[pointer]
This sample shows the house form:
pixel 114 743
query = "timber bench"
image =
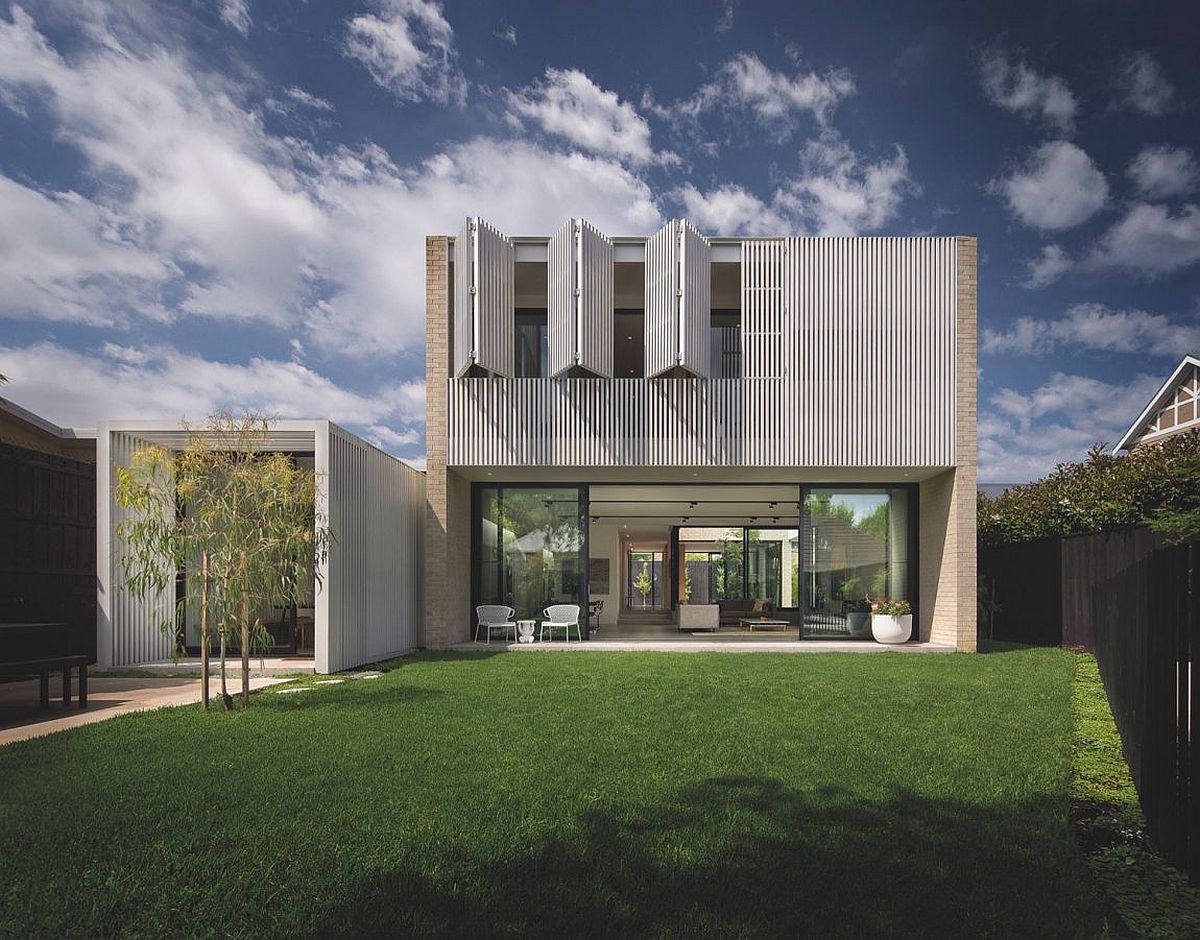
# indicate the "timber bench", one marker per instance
pixel 28 649
pixel 43 667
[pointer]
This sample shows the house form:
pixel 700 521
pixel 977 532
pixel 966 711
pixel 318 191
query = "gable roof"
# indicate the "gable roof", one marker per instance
pixel 1160 399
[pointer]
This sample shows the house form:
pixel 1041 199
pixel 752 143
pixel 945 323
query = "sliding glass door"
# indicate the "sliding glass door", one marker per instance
pixel 530 547
pixel 855 545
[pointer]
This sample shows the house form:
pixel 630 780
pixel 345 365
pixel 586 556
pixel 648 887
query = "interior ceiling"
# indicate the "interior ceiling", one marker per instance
pixel 646 508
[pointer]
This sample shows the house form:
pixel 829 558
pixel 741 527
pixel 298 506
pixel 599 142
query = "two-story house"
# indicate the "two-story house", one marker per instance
pixel 658 420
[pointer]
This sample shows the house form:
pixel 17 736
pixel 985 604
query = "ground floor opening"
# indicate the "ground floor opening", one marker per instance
pixel 661 561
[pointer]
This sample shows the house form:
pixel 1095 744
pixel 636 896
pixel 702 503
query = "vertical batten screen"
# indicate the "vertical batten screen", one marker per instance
pixel 483 299
pixel 139 626
pixel 678 308
pixel 769 345
pixel 375 568
pixel 580 299
pixel 662 301
pixel 695 307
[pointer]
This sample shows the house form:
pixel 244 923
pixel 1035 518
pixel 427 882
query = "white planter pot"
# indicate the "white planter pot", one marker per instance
pixel 858 624
pixel 888 629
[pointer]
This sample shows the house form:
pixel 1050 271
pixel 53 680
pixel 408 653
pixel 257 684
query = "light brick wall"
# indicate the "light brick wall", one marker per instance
pixel 947 577
pixel 437 330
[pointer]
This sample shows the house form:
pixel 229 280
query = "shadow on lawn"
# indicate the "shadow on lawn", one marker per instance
pixel 749 856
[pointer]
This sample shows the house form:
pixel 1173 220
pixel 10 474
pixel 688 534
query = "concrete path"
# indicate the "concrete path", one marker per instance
pixel 765 645
pixel 21 718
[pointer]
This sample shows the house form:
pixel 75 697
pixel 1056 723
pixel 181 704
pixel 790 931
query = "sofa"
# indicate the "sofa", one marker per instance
pixel 734 609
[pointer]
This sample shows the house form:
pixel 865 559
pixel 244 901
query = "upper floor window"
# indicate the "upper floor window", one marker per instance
pixel 726 344
pixel 531 349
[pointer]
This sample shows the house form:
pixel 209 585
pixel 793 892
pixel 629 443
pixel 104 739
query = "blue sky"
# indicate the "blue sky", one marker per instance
pixel 221 203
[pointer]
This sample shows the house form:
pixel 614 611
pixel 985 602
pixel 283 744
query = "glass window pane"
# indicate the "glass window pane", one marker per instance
pixel 854 545
pixel 530 542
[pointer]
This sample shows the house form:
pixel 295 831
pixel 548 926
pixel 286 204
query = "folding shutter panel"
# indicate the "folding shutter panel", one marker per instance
pixel 495 323
pixel 595 300
pixel 464 301
pixel 662 300
pixel 560 299
pixel 695 305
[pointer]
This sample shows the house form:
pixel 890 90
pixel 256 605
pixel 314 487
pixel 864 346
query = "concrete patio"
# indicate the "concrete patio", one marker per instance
pixel 21 718
pixel 715 645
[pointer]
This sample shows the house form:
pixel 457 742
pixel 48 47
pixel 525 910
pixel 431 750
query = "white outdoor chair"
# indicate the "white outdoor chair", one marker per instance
pixel 564 616
pixel 491 617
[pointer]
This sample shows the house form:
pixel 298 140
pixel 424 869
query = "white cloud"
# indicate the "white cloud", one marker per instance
pixel 1047 267
pixel 725 21
pixel 1023 435
pixel 570 105
pixel 192 192
pixel 236 14
pixel 1143 85
pixel 408 47
pixel 1016 87
pixel 508 33
pixel 1096 328
pixel 1159 171
pixel 1149 240
pixel 302 97
pixel 118 382
pixel 65 258
pixel 1059 187
pixel 836 192
pixel 775 99
pixel 730 210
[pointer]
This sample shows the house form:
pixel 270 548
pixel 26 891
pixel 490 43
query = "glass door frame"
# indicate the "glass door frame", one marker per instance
pixel 477 488
pixel 912 559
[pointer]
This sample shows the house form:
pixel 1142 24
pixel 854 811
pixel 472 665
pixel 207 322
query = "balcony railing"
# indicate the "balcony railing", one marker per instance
pixel 897 421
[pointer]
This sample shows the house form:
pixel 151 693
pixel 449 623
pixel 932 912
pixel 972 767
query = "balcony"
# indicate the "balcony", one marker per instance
pixel 785 422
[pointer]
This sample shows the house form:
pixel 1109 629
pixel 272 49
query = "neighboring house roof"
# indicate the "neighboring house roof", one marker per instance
pixel 1174 408
pixel 22 428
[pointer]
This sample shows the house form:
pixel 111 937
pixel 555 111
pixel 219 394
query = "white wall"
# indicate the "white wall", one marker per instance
pixel 604 542
pixel 374 581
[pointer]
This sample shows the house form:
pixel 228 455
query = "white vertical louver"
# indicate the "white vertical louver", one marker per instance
pixel 580 300
pixel 678 308
pixel 483 299
pixel 695 304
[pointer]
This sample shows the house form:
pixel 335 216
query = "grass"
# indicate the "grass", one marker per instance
pixel 550 795
pixel 1151 898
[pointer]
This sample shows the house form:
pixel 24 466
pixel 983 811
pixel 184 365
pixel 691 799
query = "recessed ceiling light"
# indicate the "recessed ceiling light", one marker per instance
pixel 629 337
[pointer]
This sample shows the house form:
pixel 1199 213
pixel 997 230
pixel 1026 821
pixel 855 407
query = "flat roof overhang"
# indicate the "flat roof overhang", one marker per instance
pixel 705 475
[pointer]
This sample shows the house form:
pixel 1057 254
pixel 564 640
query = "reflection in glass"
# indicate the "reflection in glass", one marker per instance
pixel 530 547
pixel 855 548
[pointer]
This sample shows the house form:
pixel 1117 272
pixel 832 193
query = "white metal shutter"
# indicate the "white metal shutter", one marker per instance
pixel 484 321
pixel 695 303
pixel 662 300
pixel 560 300
pixel 595 272
pixel 678 300
pixel 464 306
pixel 495 322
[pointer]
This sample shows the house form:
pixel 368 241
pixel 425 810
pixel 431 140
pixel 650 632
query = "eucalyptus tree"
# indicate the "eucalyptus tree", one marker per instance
pixel 235 524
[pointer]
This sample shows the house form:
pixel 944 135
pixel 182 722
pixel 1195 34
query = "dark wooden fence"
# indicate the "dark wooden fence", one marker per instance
pixel 1132 601
pixel 1043 589
pixel 48 543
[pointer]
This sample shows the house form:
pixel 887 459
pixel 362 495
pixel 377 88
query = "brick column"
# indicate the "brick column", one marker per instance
pixel 947 518
pixel 437 357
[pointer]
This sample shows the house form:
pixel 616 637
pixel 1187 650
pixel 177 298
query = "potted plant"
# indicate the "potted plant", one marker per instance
pixel 891 621
pixel 858 617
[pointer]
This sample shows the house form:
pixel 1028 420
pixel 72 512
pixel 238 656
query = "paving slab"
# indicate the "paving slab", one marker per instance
pixel 21 718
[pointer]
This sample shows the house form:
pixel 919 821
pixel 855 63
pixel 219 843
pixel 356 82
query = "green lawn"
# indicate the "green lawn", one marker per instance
pixel 552 794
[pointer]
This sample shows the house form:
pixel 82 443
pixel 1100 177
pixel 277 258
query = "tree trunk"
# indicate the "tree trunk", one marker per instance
pixel 225 699
pixel 204 632
pixel 245 640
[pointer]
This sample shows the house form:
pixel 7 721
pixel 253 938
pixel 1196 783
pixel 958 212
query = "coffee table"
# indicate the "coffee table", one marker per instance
pixel 769 622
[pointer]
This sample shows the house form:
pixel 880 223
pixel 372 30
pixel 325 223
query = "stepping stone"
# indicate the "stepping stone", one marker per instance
pixel 363 675
pixel 293 691
pixel 328 681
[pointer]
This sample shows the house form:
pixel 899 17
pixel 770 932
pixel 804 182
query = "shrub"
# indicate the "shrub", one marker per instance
pixel 1156 485
pixel 888 608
